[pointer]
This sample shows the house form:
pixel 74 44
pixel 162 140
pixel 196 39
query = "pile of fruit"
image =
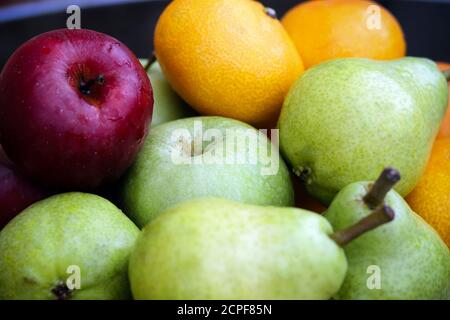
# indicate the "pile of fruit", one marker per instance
pixel 149 179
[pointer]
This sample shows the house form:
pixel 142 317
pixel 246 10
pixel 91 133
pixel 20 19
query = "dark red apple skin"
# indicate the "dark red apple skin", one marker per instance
pixel 16 192
pixel 56 134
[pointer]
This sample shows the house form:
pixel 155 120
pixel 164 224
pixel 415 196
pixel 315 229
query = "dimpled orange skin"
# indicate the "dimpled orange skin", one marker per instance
pixel 330 29
pixel 445 127
pixel 227 58
pixel 431 197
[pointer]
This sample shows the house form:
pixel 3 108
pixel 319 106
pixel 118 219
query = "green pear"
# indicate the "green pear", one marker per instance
pixel 214 248
pixel 69 246
pixel 200 157
pixel 168 105
pixel 404 259
pixel 345 120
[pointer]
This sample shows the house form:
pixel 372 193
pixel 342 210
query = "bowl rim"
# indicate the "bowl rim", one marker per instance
pixel 22 11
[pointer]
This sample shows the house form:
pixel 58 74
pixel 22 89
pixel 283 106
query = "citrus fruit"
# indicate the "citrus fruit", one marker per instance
pixel 230 58
pixel 431 197
pixel 329 29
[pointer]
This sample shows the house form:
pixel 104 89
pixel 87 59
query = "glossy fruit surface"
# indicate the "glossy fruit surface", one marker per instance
pixel 431 197
pixel 329 29
pixel 16 192
pixel 346 119
pixel 64 238
pixel 75 108
pixel 168 105
pixel 227 58
pixel 214 248
pixel 402 260
pixel 173 168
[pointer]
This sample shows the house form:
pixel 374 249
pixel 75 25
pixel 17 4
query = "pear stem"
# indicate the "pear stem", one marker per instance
pixel 378 217
pixel 387 179
pixel 150 61
pixel 447 74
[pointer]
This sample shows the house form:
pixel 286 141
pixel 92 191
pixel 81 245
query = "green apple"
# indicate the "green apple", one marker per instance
pixel 204 156
pixel 69 246
pixel 168 105
pixel 214 248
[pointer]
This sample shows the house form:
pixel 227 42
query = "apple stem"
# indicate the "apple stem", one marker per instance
pixel 271 12
pixel 61 291
pixel 378 217
pixel 85 87
pixel 150 61
pixel 447 74
pixel 387 179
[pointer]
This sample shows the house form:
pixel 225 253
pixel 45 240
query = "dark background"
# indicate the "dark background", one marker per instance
pixel 426 23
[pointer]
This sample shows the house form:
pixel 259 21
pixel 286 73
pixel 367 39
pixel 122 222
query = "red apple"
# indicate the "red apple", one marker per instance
pixel 75 106
pixel 16 192
pixel 4 159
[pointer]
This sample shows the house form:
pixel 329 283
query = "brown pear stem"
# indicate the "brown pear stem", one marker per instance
pixel 387 179
pixel 380 216
pixel 447 74
pixel 150 61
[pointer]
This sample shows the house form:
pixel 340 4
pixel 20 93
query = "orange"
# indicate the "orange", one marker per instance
pixel 330 29
pixel 227 57
pixel 445 127
pixel 431 197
